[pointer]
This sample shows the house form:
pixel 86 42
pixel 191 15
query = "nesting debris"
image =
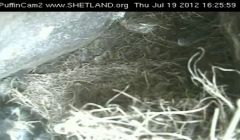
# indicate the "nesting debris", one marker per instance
pixel 158 120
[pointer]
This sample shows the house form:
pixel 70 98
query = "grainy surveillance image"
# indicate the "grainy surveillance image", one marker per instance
pixel 119 76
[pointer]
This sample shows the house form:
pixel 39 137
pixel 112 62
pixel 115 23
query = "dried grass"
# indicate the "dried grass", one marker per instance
pixel 141 121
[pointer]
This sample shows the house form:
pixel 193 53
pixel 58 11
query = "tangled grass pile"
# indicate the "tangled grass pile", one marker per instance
pixel 185 119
